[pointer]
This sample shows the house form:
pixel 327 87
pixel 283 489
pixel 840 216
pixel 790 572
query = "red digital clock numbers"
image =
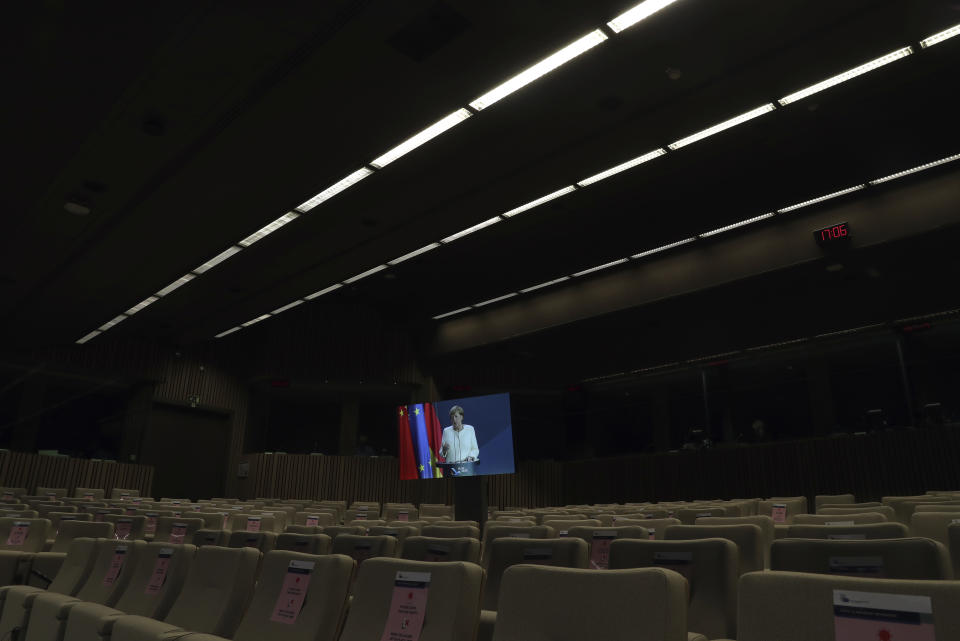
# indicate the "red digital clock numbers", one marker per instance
pixel 834 235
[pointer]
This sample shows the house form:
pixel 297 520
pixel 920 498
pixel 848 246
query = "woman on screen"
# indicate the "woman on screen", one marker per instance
pixel 459 442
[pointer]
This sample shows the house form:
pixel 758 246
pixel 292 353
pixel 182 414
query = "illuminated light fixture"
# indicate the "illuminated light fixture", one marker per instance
pixel 940 37
pixel 269 229
pixel 180 282
pixel 456 311
pixel 421 138
pixel 470 230
pixel 599 267
pixel 325 290
pixel 630 164
pixel 723 126
pixel 712 357
pixel 256 320
pixel 496 300
pixel 546 284
pixel 228 332
pixel 216 260
pixel 814 201
pixel 735 225
pixel 638 13
pixel 780 344
pixel 341 185
pixel 853 330
pixel 414 253
pixel 281 310
pixel 539 201
pixel 369 272
pixel 846 75
pixel 907 172
pixel 149 300
pixel 664 248
pixel 112 323
pixel 653 368
pixel 541 68
pixel 89 337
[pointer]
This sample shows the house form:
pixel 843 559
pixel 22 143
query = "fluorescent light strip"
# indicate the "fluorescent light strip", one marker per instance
pixel 256 320
pixel 846 75
pixel 726 124
pixel 216 260
pixel 940 37
pixel 111 323
pixel 907 172
pixel 496 300
pixel 664 247
pixel 414 253
pixel 341 185
pixel 539 201
pixel 638 13
pixel 541 68
pixel 89 337
pixel 546 284
pixel 456 311
pixel 228 332
pixel 599 267
pixel 735 225
pixel 323 291
pixel 149 300
pixel 470 230
pixel 180 282
pixel 821 199
pixel 269 229
pixel 281 310
pixel 369 272
pixel 630 164
pixel 421 138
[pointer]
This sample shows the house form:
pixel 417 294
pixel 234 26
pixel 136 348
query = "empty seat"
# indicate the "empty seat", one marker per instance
pixel 765 523
pixel 849 532
pixel 933 525
pixel 124 493
pixel 800 501
pixel 842 519
pixel 263 541
pixel 361 548
pixel 599 540
pixel 891 559
pixel 832 499
pixel 367 524
pixel 847 506
pixel 791 606
pixel 433 510
pixel 688 516
pixel 425 548
pixel 303 529
pixel 126 527
pixel 253 523
pixel 304 543
pixel 174 529
pixel 52 492
pixel 571 552
pixel 336 530
pixel 203 536
pixel 847 511
pixel 400 513
pixel 322 519
pixel 450 532
pixel 19 540
pixel 89 493
pixel 749 539
pixel 361 515
pixel 493 531
pixel 563 527
pixel 24 513
pixel 10 494
pixel 782 511
pixel 399 532
pixel 452 599
pixel 712 567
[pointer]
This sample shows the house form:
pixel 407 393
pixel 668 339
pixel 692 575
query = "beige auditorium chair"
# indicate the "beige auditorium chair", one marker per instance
pixel 953 536
pixel 885 510
pixel 214 595
pixel 303 529
pixel 124 494
pixel 362 548
pixel 793 507
pixel 848 506
pixel 932 525
pixel 658 513
pixel 888 559
pixel 450 531
pixel 453 599
pixel 544 519
pixel 47 563
pixel 563 527
pixel 203 536
pixel 45 509
pixel 833 499
pixel 365 524
pixel 414 525
pixel 361 515
pixel 434 519
pixel 572 552
pixel 493 531
pixel 304 543
pixel 253 523
pixel 543 603
pixel 399 532
pixel 904 506
pixel 20 540
pixel 322 519
pixel 765 523
pixel 52 492
pixel 89 493
pixel 843 519
pixel 599 539
pixel 749 539
pixel 12 494
pixel 792 606
pixel 689 516
pixel 211 520
pixel 433 509
pixel 320 614
pixel 262 541
pixel 400 513
pixel 659 526
pixel 126 528
pixel 849 532
pixel 336 530
pixel 112 568
pixel 175 529
pixel 152 516
pixel 425 548
pixel 711 566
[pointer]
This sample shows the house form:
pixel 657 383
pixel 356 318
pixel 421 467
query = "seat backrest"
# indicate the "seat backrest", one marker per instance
pixel 749 539
pixel 711 566
pixel 658 526
pixel 915 558
pixel 361 548
pixel 203 536
pixel 933 525
pixel 569 552
pixel 563 527
pixel 792 606
pixel 304 543
pixel 315 518
pixel 125 527
pixel 157 579
pixel 354 514
pixel 175 529
pixel 936 507
pixel 782 511
pixel 432 548
pixel 263 541
pixel 23 535
pixel 89 493
pixel 546 603
pixel 599 539
pixel 847 511
pixel 400 513
pixel 824 506
pixel 953 536
pixel 845 519
pixel 123 493
pixel 764 522
pixel 800 501
pixel 57 517
pixel 450 531
pixel 303 529
pixel 493 531
pixel 253 523
pixel 849 532
pixel 211 520
pixel 52 492
pixel 334 531
pixel 77 564
pixel 689 516
pixel 832 499
pixel 114 565
pixel 216 591
pixel 427 509
pixel 43 510
pixel 452 610
pixel 26 514
pixel 71 529
pixel 9 494
pixel 399 532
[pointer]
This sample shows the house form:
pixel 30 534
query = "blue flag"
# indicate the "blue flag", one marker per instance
pixel 421 442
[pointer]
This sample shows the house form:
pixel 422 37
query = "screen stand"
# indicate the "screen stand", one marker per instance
pixel 470 499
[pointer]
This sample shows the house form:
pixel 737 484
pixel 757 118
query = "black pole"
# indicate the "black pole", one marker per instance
pixel 905 380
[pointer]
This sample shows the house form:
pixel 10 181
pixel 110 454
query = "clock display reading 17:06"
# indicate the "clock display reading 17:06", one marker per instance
pixel 836 234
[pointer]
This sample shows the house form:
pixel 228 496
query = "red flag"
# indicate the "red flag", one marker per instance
pixel 434 437
pixel 408 458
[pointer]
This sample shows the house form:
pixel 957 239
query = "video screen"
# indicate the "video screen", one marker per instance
pixel 458 437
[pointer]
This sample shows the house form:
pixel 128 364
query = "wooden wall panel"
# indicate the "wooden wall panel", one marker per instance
pixel 22 469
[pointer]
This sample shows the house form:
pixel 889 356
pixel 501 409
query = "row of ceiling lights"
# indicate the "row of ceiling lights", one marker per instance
pixel 580 46
pixel 639 160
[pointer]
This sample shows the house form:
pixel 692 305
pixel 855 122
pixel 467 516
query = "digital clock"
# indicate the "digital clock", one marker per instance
pixel 836 235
